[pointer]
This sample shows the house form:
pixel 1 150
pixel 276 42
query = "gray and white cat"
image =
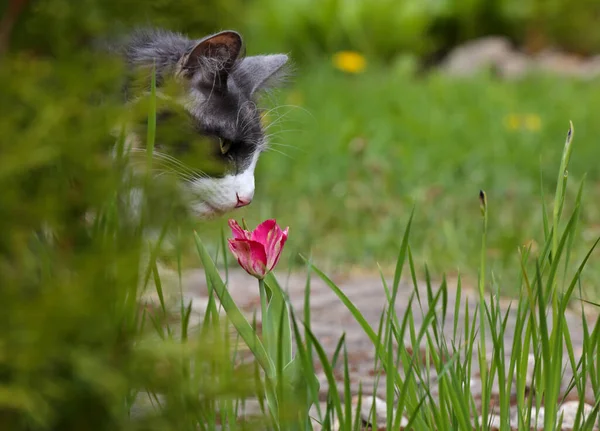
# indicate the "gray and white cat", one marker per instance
pixel 208 132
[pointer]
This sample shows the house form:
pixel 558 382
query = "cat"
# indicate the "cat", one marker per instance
pixel 209 133
pixel 208 125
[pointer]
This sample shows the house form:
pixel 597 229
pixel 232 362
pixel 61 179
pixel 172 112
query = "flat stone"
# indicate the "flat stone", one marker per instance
pixel 372 405
pixel 569 412
pixel 330 319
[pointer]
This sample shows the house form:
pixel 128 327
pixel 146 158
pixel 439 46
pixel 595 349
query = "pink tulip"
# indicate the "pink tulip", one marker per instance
pixel 258 251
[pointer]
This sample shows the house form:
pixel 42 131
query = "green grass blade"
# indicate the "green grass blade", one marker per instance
pixel 329 374
pixel 309 377
pixel 277 313
pixel 401 257
pixel 559 197
pixel 571 239
pixel 235 315
pixel 545 222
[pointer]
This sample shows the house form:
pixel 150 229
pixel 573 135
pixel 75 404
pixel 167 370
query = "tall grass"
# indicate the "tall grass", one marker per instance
pixel 480 345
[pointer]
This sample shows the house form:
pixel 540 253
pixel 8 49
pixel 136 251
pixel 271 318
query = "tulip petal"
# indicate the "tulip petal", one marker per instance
pixel 274 246
pixel 250 255
pixel 237 231
pixel 261 233
pixel 273 238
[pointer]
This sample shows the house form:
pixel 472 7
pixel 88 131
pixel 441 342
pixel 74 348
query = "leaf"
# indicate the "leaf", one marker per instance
pixel 235 315
pixel 277 311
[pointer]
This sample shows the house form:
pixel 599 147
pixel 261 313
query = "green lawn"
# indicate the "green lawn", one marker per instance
pixel 354 154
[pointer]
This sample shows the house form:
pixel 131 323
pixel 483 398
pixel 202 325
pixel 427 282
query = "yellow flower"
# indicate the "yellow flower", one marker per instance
pixel 512 122
pixel 533 122
pixel 349 61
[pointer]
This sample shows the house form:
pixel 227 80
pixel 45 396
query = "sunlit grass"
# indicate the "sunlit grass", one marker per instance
pixel 546 286
pixel 352 155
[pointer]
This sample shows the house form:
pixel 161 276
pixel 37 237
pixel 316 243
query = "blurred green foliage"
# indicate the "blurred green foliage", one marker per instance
pixel 384 28
pixel 381 28
pixel 66 27
pixel 75 345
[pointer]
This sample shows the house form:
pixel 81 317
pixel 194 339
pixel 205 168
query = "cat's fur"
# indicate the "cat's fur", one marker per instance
pixel 218 120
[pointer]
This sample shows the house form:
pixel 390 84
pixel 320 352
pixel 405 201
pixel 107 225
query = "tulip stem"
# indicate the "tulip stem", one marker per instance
pixel 263 300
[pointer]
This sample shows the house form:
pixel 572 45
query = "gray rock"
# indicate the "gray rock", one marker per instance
pixel 373 405
pixel 496 52
pixel 466 58
pixel 569 412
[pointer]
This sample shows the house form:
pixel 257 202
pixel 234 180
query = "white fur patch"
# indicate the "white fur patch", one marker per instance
pixel 215 196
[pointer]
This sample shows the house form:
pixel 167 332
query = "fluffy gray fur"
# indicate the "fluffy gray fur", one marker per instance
pixel 220 86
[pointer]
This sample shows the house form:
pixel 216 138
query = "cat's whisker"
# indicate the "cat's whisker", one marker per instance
pixel 159 167
pixel 158 172
pixel 285 146
pixel 166 158
pixel 175 166
pixel 187 173
pixel 273 109
pixel 247 123
pixel 278 107
pixel 277 121
pixel 177 163
pixel 237 120
pixel 275 150
pixel 269 142
pixel 279 132
pixel 277 118
pixel 269 146
pixel 279 144
pixel 161 173
pixel 280 117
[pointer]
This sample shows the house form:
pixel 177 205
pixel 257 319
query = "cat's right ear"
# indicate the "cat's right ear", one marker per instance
pixel 260 72
pixel 221 50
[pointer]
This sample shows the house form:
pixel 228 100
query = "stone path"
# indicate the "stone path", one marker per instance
pixel 331 319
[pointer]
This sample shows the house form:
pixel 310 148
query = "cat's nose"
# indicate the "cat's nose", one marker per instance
pixel 242 201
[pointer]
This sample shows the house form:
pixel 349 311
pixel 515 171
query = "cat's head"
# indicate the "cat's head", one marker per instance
pixel 210 134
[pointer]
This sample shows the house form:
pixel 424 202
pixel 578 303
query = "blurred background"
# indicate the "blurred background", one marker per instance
pixel 395 105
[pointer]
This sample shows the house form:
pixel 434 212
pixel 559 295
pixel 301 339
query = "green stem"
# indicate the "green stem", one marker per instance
pixel 482 352
pixel 266 327
pixel 268 341
pixel 264 302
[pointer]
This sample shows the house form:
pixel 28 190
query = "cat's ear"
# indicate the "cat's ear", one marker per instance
pixel 262 71
pixel 222 49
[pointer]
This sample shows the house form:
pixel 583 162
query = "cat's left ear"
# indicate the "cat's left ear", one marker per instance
pixel 261 71
pixel 224 47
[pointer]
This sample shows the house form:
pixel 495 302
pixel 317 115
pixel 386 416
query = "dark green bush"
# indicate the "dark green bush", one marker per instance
pixel 75 345
pixel 67 27
pixel 572 25
pixel 385 28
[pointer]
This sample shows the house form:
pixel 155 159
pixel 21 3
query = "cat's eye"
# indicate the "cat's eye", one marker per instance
pixel 225 146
